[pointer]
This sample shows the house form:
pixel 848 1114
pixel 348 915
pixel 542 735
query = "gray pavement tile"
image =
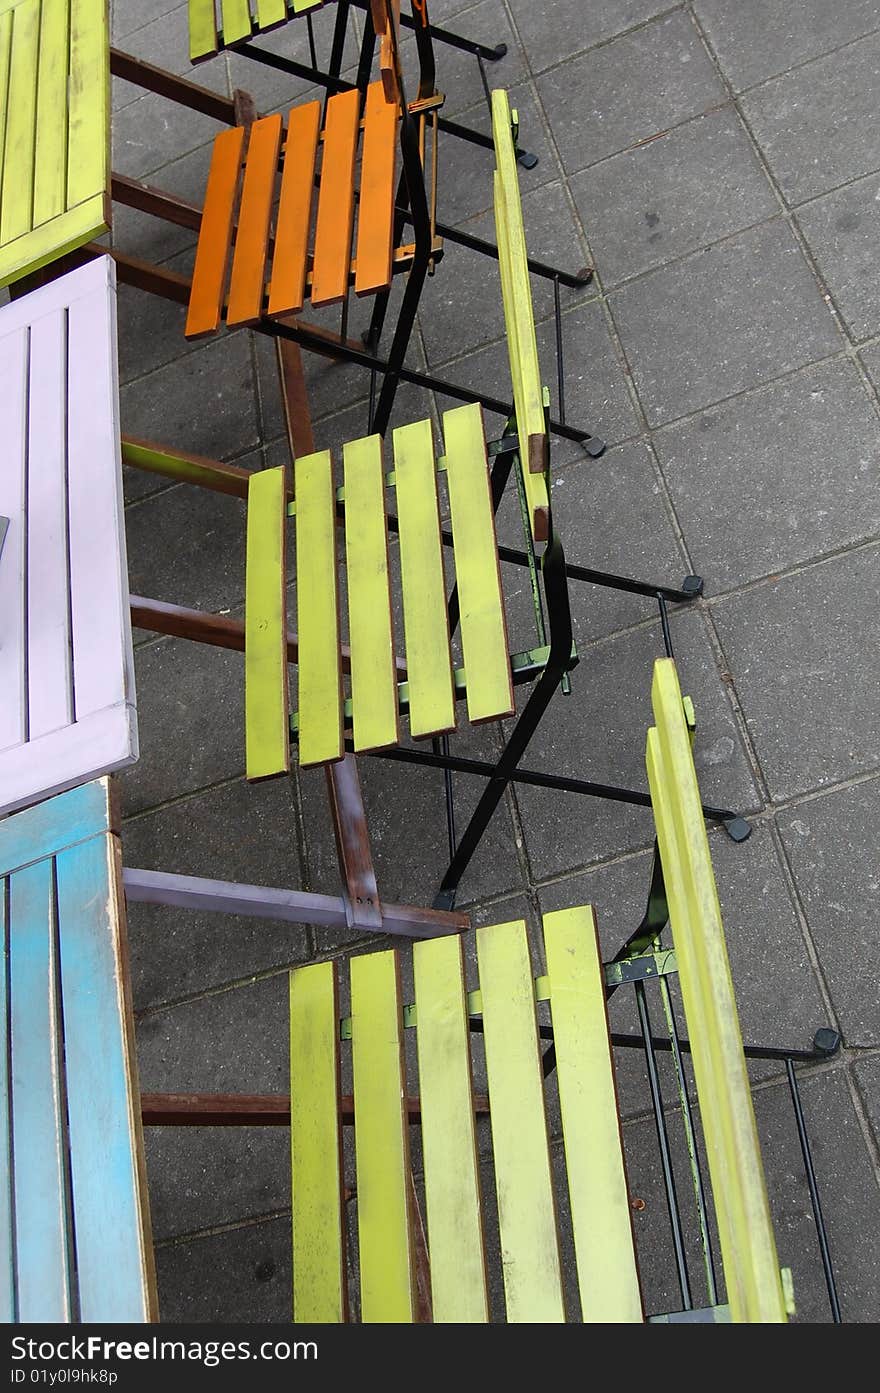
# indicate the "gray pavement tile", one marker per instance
pixel 274 90
pixel 664 199
pixel 458 74
pixel 152 239
pixel 802 657
pixel 832 847
pixel 553 35
pixel 151 328
pixel 819 127
pixel 186 545
pixel 165 43
pixel 756 39
pixel 867 1072
pixel 847 1189
pixel 190 718
pixel 204 402
pixel 871 359
pixel 843 235
pixel 773 478
pixel 152 131
pixel 205 1176
pixel 130 15
pixel 635 87
pixel 729 318
pixel 599 733
pixel 240 1275
pixel 239 832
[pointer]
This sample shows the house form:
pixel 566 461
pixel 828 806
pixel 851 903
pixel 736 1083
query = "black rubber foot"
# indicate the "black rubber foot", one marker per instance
pixel 585 274
pixel 496 53
pixel 526 159
pixel 738 829
pixel 445 899
pixel 692 585
pixel 826 1041
pixel 594 446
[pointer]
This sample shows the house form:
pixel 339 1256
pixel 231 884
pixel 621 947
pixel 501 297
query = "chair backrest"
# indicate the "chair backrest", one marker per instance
pixel 525 369
pixel 220 23
pixel 74 1217
pixel 748 1248
pixel 54 130
pixel 432 682
pixel 67 709
pixel 533 1286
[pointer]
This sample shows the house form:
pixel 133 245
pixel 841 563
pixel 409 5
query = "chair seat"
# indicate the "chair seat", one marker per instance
pixel 278 258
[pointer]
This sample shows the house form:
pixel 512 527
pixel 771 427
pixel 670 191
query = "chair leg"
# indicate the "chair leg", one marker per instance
pixel 363 909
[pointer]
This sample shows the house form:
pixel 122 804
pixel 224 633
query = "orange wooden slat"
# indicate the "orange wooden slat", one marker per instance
pixel 290 260
pixel 252 236
pixel 375 232
pixel 215 235
pixel 336 200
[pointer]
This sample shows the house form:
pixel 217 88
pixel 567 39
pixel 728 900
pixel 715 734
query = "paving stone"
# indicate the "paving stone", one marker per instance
pixel 555 35
pixel 202 1177
pixel 664 199
pixel 756 39
pixel 165 44
pixel 867 1072
pixel 819 127
pixel 239 832
pixel 458 73
pixel 772 478
pixel 802 660
pixel 831 844
pixel 847 1189
pixel 130 15
pixel 240 1275
pixel 731 317
pixel 153 239
pixel 204 402
pixel 871 360
pixel 599 733
pixel 842 231
pixel 190 718
pixel 273 90
pixel 633 88
pixel 154 130
pixel 150 327
pixel 186 545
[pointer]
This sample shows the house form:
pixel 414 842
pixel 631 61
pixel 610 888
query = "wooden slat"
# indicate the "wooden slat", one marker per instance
pixel 54 239
pixel 266 699
pixel 13 433
pixel 88 136
pixel 16 202
pixel 290 263
pixel 252 235
pixel 113 1247
pixel 202 29
pixel 426 624
pixel 375 232
pixel 50 704
pixel 50 176
pixel 748 1247
pixel 598 1194
pixel 523 1179
pixel 319 1272
pixel 387 1259
pixel 43 1258
pixel 449 1149
pixel 270 13
pixel 5 60
pixel 477 569
pixel 54 824
pixel 320 687
pixel 7 1270
pixel 373 669
pixel 331 265
pixel 212 254
pixel 236 17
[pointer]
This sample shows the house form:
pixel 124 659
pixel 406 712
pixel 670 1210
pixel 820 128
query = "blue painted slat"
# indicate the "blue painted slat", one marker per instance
pixel 55 824
pixel 7 1276
pixel 39 1173
pixel 109 1199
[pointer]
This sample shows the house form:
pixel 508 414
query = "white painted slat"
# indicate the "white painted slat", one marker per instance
pixel 48 665
pixel 13 401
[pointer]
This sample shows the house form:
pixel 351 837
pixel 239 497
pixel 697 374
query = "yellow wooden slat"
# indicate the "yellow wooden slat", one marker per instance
pixel 387 1266
pixel 16 199
pixel 373 668
pixel 50 174
pixel 320 683
pixel 319 1278
pixel 425 621
pixel 88 136
pixel 449 1148
pixel 44 244
pixel 236 17
pixel 270 12
pixel 267 725
pixel 600 1212
pixel 202 29
pixel 477 571
pixel 748 1247
pixel 5 58
pixel 523 1181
